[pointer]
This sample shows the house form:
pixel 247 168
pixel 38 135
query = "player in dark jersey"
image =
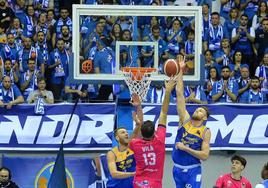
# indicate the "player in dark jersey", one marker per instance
pixel 149 150
pixel 192 141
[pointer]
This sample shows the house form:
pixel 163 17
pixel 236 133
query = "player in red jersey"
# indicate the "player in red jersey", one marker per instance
pixel 234 179
pixel 149 150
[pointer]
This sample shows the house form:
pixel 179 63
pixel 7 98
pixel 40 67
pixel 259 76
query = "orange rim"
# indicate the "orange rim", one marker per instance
pixel 138 72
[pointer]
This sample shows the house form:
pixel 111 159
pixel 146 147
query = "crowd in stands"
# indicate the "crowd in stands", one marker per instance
pixel 36 43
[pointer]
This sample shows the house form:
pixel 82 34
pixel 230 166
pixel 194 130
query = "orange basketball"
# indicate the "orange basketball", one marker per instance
pixel 171 67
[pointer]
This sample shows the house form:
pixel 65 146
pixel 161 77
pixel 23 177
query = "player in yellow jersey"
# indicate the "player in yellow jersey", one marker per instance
pixel 192 141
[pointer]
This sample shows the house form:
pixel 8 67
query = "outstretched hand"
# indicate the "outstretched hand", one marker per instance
pixel 169 85
pixel 138 120
pixel 135 100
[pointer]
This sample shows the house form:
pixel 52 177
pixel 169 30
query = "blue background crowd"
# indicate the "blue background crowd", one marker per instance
pixel 36 44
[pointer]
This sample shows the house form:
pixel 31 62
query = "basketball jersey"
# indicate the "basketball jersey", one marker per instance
pixel 124 163
pixel 192 137
pixel 150 156
pixel 226 181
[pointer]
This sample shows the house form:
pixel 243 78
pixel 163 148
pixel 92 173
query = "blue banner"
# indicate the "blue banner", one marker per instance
pixel 91 127
pixel 233 127
pixel 34 172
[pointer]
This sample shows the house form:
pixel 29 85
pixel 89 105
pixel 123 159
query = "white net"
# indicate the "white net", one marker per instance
pixel 138 82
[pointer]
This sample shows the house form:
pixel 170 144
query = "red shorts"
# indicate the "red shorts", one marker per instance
pixel 147 184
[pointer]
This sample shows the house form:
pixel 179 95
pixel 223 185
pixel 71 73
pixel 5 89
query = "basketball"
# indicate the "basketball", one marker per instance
pixel 171 68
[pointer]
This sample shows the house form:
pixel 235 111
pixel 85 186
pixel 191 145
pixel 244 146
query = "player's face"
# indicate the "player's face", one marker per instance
pixel 122 136
pixel 199 114
pixel 237 166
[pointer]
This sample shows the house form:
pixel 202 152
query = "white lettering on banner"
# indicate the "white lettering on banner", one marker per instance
pixel 89 130
pixel 48 129
pixel 258 129
pixel 238 128
pixel 25 134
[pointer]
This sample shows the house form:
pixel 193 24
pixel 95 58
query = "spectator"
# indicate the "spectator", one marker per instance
pixel 244 80
pixel 6 14
pixel 226 6
pixel 91 41
pixel 154 20
pixel 41 26
pixel 243 39
pixel 74 91
pixel 234 179
pixel 148 51
pixel 195 95
pixel 212 78
pixel 18 7
pixel 41 92
pixel 41 46
pixel 250 8
pixel 67 38
pixel 262 73
pixel 28 22
pixel 3 36
pixel 16 30
pixel 261 43
pixel 50 18
pixel 104 63
pixel 262 13
pixel 5 178
pixel 209 62
pixel 9 70
pixel 175 38
pixel 189 47
pixel 264 175
pixel 226 89
pixel 115 34
pixel 63 20
pixel 10 49
pixel 223 55
pixel 254 94
pixel 9 93
pixel 58 64
pixel 156 94
pixel 205 28
pixel 237 64
pixel 29 51
pixel 231 23
pixel 215 32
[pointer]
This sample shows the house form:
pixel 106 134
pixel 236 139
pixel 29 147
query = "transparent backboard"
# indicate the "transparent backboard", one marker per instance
pixel 109 37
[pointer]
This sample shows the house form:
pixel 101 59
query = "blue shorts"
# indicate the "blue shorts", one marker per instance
pixel 187 177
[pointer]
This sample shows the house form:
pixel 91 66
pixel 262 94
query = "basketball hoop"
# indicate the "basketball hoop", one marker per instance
pixel 138 80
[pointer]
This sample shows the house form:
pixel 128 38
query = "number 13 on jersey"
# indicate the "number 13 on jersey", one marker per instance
pixel 149 159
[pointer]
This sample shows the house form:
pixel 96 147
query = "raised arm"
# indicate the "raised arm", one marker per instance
pixel 137 115
pixel 169 85
pixel 181 106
